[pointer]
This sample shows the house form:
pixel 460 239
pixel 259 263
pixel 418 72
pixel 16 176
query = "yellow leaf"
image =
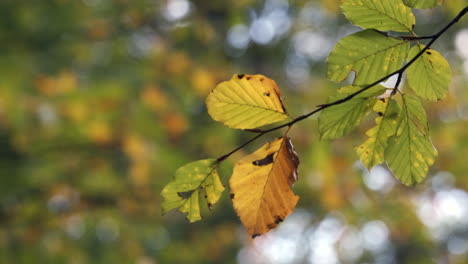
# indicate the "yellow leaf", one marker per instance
pixel 261 186
pixel 246 102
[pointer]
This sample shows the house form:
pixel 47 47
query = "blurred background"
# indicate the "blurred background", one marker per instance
pixel 102 100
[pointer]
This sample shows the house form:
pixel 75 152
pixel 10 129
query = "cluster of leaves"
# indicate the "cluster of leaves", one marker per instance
pixel 261 182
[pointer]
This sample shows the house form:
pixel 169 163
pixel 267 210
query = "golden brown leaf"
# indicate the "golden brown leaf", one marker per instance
pixel 261 186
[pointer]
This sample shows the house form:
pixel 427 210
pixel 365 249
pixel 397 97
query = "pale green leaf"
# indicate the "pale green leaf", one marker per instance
pixel 429 76
pixel 410 152
pixel 371 152
pixel 338 120
pixel 190 180
pixel 384 15
pixel 246 102
pixel 422 3
pixel 369 54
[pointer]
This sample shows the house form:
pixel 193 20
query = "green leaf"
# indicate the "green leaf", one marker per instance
pixel 371 152
pixel 422 3
pixel 410 152
pixel 184 191
pixel 369 54
pixel 338 120
pixel 246 102
pixel 429 76
pixel 382 15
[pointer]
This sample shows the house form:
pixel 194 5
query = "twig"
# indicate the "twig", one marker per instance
pixel 349 97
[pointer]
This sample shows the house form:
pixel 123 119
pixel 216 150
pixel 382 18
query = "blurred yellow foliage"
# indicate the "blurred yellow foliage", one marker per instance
pixel 175 124
pixel 177 62
pixel 65 82
pixel 77 111
pixel 99 132
pixel 203 81
pixel 154 98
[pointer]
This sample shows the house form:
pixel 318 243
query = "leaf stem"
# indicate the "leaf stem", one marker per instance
pixel 321 107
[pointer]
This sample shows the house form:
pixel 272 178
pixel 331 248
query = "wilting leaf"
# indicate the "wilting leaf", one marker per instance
pixel 410 152
pixel 429 76
pixel 422 3
pixel 382 15
pixel 371 152
pixel 369 54
pixel 261 186
pixel 186 188
pixel 246 102
pixel 338 120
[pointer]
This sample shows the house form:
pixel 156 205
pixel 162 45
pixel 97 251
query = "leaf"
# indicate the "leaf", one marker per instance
pixel 421 3
pixel 261 186
pixel 371 152
pixel 246 102
pixel 190 180
pixel 338 120
pixel 429 76
pixel 410 152
pixel 369 54
pixel 382 15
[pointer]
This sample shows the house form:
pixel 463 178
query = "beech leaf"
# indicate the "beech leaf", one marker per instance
pixel 185 190
pixel 261 186
pixel 338 120
pixel 429 76
pixel 410 152
pixel 369 54
pixel 246 102
pixel 382 15
pixel 371 152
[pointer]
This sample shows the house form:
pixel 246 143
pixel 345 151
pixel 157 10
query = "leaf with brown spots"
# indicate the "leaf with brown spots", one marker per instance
pixel 410 152
pixel 261 186
pixel 246 102
pixel 429 76
pixel 190 180
pixel 369 54
pixel 371 152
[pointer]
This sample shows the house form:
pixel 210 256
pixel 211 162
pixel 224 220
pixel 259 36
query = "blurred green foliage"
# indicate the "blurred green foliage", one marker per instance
pixel 102 100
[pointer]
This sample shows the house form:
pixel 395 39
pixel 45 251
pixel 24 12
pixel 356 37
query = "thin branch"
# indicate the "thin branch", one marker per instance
pixel 412 38
pixel 349 97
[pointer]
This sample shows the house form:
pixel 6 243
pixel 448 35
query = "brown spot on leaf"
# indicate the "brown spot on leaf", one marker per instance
pixel 248 78
pixel 278 219
pixel 428 52
pixel 266 94
pixel 255 235
pixel 261 79
pixel 240 76
pixel 380 113
pixel 265 161
pixel 271 226
pixel 185 195
pixel 232 196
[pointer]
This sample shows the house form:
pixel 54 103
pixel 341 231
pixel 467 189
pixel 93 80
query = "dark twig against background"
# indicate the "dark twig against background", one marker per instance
pixel 321 107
